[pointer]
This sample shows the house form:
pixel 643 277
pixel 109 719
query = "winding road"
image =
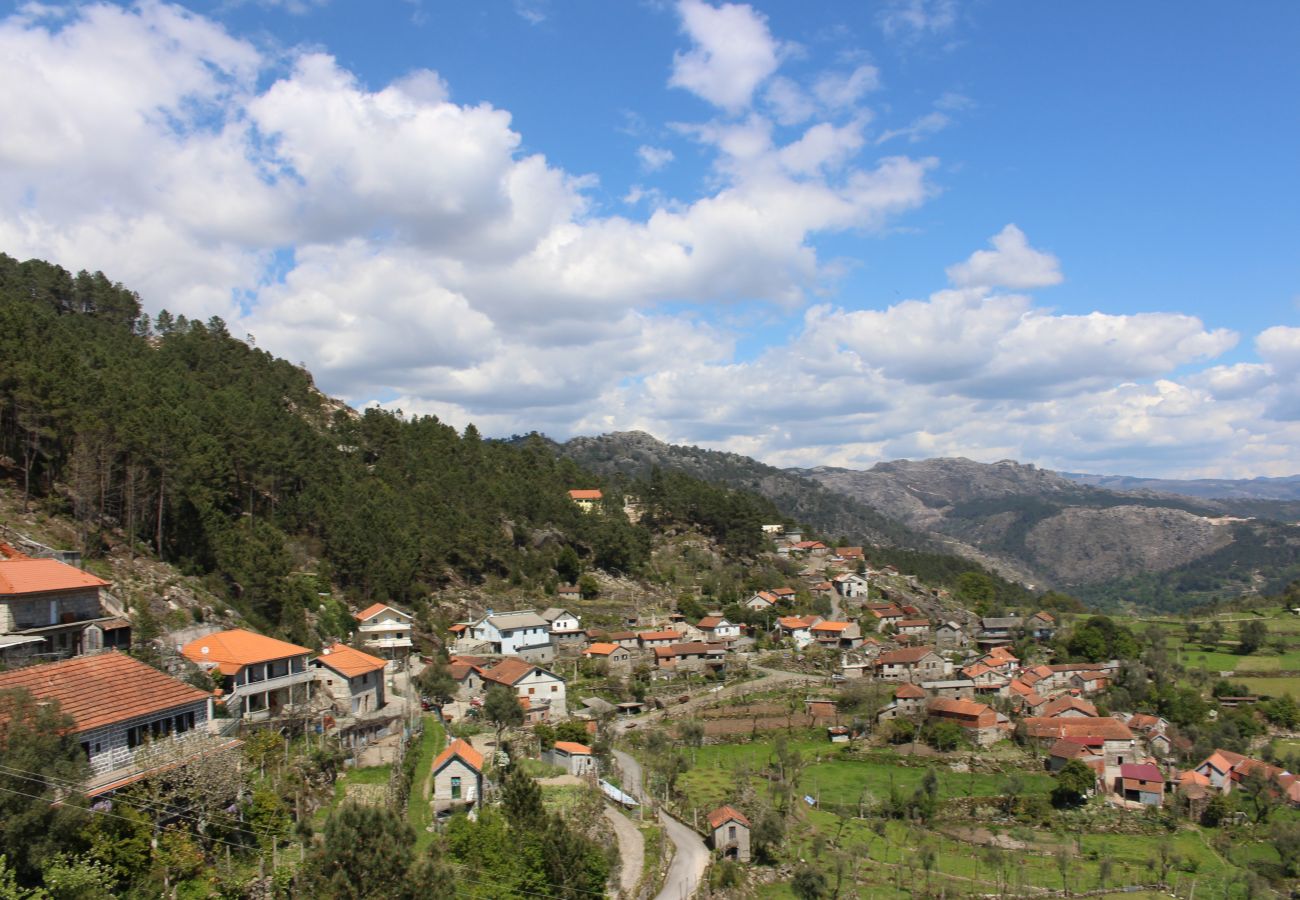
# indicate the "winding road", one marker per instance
pixel 691 856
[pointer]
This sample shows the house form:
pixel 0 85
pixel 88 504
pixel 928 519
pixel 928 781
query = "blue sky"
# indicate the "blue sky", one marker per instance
pixel 813 233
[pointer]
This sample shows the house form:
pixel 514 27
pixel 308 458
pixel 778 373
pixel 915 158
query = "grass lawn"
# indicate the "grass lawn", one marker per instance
pixel 419 812
pixel 1193 656
pixel 846 781
pixel 1272 687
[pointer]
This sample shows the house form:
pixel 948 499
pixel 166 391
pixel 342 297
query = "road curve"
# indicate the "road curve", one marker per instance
pixel 691 856
pixel 689 862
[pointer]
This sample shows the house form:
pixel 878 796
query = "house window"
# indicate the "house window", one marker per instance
pixel 532 690
pixel 731 832
pixel 455 788
pixel 554 688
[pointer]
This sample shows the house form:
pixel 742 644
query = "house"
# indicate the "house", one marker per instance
pixel 886 615
pixel 729 833
pixel 457 779
pixel 467 672
pixel 1111 737
pixel 352 679
pixel 261 676
pixel 810 548
pixel 797 628
pixel 915 664
pixel 784 593
pixel 627 639
pixel 587 500
pixel 121 710
pixel 909 701
pixel 954 689
pixel 522 633
pixel 851 554
pixel 918 628
pixel 692 656
pixel 1224 770
pixel 950 635
pixel 979 720
pixel 851 585
pixel 1143 783
pixel 717 628
pixel 573 758
pixel 566 628
pixel 840 635
pixel 1067 707
pixel 999 630
pixel 619 659
pixel 1041 626
pixel 1086 750
pixel 51 609
pixel 568 592
pixel 761 601
pixel 651 639
pixel 385 630
pixel 532 683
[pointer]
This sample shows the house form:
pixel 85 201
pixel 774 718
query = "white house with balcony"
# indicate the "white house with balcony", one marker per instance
pixel 124 713
pixel 261 677
pixel 385 631
pixel 513 633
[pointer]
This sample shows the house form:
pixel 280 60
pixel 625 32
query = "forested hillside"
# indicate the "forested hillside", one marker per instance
pixel 227 462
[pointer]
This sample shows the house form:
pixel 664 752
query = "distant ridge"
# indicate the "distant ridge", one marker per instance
pixel 1281 488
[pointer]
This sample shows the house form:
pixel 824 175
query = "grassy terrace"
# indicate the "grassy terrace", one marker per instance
pixel 418 810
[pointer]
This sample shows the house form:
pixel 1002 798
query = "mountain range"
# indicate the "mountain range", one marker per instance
pixel 1110 539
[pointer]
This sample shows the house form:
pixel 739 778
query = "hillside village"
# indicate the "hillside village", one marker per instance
pixel 892 674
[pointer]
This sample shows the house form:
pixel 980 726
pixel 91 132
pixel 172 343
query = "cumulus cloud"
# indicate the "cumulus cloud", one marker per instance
pixel 733 53
pixel 1012 263
pixel 911 19
pixel 654 158
pixel 405 245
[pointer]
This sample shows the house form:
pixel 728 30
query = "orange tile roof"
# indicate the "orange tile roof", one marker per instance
pixel 234 649
pixel 348 661
pixel 38 576
pixel 914 623
pixel 792 622
pixel 573 749
pixel 957 707
pixel 831 626
pixel 461 748
pixel 1105 728
pixel 710 622
pixel 585 495
pixel 601 648
pixel 725 814
pixel 375 609
pixel 103 689
pixel 1065 704
pixel 908 692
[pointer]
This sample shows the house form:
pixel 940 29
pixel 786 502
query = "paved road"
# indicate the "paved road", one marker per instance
pixel 691 856
pixel 631 850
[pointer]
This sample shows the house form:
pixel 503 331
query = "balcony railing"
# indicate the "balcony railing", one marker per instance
pixel 270 684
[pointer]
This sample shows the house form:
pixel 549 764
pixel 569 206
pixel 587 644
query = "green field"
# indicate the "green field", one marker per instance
pixel 1271 687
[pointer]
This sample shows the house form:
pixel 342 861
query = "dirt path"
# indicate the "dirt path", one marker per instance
pixel 631 850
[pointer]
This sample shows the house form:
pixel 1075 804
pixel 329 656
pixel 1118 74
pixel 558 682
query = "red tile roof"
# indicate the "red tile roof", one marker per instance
pixel 103 689
pixel 710 622
pixel 348 661
pixel 914 623
pixel 460 748
pixel 39 576
pixel 509 671
pixel 659 635
pixel 573 749
pixel 1141 771
pixel 957 707
pixel 1106 728
pixel 585 495
pixel 831 626
pixel 1065 704
pixel 234 649
pixel 375 609
pixel 725 814
pixel 793 623
pixel 908 692
pixel 904 656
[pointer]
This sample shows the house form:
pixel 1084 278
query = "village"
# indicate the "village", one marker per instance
pixel 898 674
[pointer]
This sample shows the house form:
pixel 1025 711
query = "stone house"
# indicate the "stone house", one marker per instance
pixel 50 608
pixel 121 709
pixel 915 664
pixel 729 833
pixel 354 681
pixel 950 635
pixel 619 659
pixel 574 758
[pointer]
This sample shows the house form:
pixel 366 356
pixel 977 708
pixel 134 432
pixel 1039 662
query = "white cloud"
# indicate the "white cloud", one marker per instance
pixel 1011 263
pixel 654 158
pixel 911 19
pixel 733 54
pixel 838 90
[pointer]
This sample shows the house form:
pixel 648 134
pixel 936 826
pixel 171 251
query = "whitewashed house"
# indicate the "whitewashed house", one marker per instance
pixel 541 689
pixel 457 779
pixel 261 676
pixel 385 631
pixel 514 633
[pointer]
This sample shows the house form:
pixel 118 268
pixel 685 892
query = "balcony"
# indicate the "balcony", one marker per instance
pixel 383 643
pixel 271 684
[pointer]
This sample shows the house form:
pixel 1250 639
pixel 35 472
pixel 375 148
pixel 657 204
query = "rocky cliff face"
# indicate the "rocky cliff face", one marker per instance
pixel 1055 530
